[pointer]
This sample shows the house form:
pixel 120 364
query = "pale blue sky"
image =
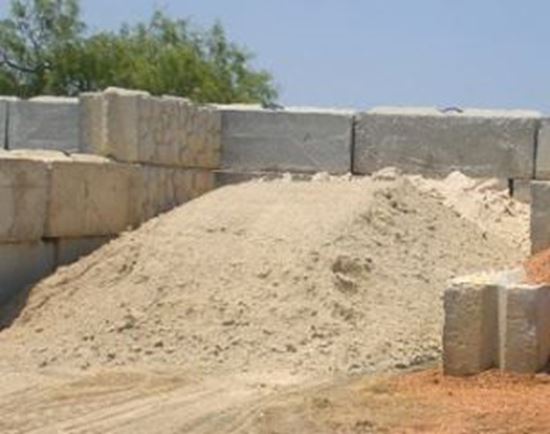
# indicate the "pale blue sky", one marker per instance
pixel 361 53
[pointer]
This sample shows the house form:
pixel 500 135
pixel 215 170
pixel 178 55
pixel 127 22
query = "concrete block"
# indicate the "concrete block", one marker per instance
pixel 93 123
pixel 22 265
pixel 470 335
pixel 526 347
pixel 302 141
pixel 69 250
pixel 90 197
pixel 44 123
pixel 3 124
pixel 427 141
pixel 543 150
pixel 540 216
pixel 156 192
pixel 522 190
pixel 138 128
pixel 23 198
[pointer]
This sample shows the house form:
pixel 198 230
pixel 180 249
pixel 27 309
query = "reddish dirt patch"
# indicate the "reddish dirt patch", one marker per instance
pixel 492 402
pixel 538 268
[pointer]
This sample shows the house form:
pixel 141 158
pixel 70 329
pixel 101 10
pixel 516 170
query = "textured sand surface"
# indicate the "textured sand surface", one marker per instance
pixel 310 278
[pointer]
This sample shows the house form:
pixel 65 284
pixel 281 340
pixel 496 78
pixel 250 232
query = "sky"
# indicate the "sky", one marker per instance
pixel 365 53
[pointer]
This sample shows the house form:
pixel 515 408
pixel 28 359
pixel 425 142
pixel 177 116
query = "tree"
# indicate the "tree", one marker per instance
pixel 45 49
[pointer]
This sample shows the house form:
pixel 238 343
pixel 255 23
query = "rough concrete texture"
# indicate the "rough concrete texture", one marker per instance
pixel 3 123
pixel 90 197
pixel 478 143
pixel 23 264
pixel 543 150
pixel 540 216
pixel 522 190
pixel 92 123
pixel 23 198
pixel 470 334
pixel 138 128
pixel 268 140
pixel 526 344
pixel 161 189
pixel 69 250
pixel 44 123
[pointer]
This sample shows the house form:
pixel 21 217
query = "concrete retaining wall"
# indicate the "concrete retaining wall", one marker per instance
pixel 56 208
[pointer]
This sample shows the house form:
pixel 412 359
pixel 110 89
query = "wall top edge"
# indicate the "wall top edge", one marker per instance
pixel 454 112
pixel 290 109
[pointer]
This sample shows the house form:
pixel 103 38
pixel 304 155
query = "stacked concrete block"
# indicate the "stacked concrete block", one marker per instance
pixel 540 216
pixel 470 336
pixel 526 347
pixel 429 141
pixel 44 123
pixel 23 198
pixel 23 264
pixel 3 123
pixel 496 321
pixel 90 197
pixel 522 190
pixel 256 140
pixel 543 150
pixel 135 127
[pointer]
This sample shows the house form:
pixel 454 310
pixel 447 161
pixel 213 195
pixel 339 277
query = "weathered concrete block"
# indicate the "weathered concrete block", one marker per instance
pixel 526 346
pixel 23 198
pixel 44 123
pixel 93 123
pixel 90 196
pixel 470 335
pixel 3 124
pixel 543 150
pixel 427 141
pixel 522 190
pixel 540 215
pixel 69 250
pixel 267 140
pixel 22 265
pixel 155 191
pixel 138 128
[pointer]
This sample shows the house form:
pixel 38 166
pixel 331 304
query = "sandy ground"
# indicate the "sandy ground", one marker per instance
pixel 209 315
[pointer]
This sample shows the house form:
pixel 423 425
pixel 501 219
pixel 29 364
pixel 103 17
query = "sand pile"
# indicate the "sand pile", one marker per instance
pixel 306 277
pixel 486 203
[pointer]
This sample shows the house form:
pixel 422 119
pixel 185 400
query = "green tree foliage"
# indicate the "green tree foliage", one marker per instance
pixel 44 49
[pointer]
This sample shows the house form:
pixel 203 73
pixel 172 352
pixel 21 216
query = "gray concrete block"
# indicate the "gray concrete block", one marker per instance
pixel 23 198
pixel 90 196
pixel 299 141
pixel 471 332
pixel 522 190
pixel 540 216
pixel 3 123
pixel 543 150
pixel 44 123
pixel 69 250
pixel 427 141
pixel 526 347
pixel 22 265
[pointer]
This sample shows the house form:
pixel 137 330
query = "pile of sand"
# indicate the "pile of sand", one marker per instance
pixel 308 278
pixel 485 202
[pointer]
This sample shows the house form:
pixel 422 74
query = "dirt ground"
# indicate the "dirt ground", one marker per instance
pixel 269 307
pixel 126 402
